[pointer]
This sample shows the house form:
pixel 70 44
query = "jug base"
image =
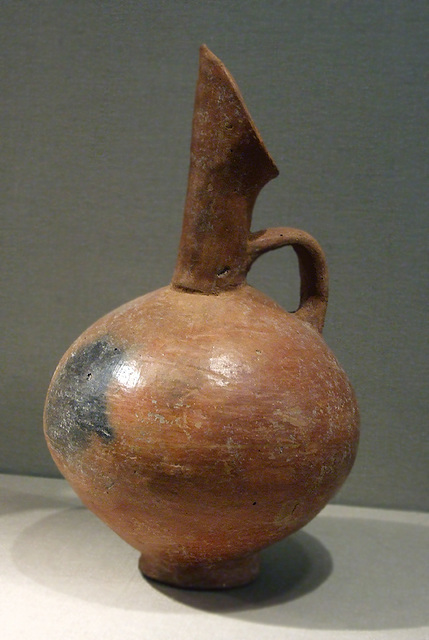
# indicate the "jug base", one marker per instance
pixel 223 574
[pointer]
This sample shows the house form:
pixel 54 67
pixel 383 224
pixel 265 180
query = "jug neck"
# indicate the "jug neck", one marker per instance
pixel 229 166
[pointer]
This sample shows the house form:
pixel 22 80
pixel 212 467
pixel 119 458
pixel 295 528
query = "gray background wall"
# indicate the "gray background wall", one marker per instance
pixel 96 107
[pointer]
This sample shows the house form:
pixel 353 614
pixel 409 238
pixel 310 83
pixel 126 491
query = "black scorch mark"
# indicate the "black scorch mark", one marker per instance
pixel 76 404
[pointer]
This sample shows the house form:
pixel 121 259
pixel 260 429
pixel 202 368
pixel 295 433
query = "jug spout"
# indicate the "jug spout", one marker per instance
pixel 229 166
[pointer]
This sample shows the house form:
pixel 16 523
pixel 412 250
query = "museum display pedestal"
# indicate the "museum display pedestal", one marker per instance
pixel 352 573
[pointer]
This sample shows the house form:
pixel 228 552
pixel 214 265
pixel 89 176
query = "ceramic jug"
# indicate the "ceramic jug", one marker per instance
pixel 203 422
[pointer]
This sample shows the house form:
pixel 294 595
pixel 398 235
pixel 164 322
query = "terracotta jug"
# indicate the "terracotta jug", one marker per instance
pixel 202 422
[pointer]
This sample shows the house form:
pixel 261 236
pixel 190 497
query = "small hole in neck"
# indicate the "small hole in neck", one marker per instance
pixel 223 272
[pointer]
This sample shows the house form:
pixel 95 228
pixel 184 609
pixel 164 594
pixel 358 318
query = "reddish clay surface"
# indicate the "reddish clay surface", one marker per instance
pixel 202 422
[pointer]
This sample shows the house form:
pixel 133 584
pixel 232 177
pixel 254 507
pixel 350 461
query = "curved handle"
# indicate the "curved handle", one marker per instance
pixel 312 267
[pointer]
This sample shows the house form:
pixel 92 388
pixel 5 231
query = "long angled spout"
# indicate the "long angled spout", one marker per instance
pixel 229 166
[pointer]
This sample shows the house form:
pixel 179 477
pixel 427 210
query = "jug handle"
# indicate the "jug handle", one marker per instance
pixel 312 268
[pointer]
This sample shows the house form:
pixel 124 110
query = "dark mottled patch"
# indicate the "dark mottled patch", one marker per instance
pixel 76 406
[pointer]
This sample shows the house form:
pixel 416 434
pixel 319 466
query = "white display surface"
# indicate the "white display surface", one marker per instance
pixel 352 573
